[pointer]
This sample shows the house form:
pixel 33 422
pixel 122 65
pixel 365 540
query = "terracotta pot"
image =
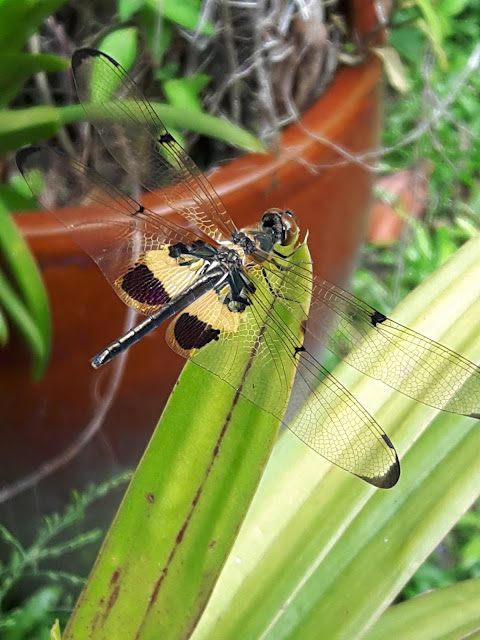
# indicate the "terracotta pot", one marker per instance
pixel 40 420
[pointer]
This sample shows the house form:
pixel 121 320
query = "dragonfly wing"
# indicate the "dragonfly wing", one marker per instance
pixel 204 321
pixel 128 242
pixel 139 141
pixel 386 350
pixel 255 352
pixel 333 423
pixel 321 412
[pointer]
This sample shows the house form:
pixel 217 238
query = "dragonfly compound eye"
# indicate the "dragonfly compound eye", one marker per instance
pixel 290 228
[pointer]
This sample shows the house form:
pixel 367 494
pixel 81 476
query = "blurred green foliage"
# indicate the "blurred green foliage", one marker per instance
pixel 23 299
pixel 54 590
pixel 435 40
pixel 444 113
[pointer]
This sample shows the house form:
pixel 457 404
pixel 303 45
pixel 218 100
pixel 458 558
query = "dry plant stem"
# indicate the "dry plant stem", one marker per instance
pixel 383 9
pixel 232 59
pixel 58 31
pixel 271 129
pixel 91 429
pixel 44 89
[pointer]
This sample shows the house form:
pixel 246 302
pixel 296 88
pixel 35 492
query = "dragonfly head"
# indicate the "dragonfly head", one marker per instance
pixel 281 225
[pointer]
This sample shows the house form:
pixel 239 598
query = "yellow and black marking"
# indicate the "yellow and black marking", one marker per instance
pixel 166 138
pixel 157 278
pixel 206 320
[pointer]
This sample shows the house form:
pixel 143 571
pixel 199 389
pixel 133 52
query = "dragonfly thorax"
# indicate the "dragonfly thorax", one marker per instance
pixel 231 259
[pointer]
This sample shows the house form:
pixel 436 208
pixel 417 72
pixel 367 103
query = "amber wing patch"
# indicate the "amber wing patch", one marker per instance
pixel 204 321
pixel 157 278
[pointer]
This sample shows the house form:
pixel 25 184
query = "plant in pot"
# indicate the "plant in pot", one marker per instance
pixel 189 556
pixel 248 186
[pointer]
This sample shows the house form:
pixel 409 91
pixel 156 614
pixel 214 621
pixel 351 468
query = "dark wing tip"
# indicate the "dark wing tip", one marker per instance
pixel 389 479
pixel 80 55
pixel 474 415
pixel 22 155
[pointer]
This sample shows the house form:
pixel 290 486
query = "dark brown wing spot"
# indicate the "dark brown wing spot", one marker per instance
pixel 141 285
pixel 165 138
pixel 377 318
pixel 192 333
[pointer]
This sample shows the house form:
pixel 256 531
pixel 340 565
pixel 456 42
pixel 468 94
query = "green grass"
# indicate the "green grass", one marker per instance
pixel 436 48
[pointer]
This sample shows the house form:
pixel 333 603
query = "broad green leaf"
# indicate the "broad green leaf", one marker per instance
pixel 190 493
pixel 452 8
pixel 321 554
pixel 16 68
pixel 183 92
pixel 444 614
pixel 121 45
pixel 30 314
pixel 16 196
pixel 434 26
pixel 185 13
pixel 408 42
pixel 126 8
pixel 158 33
pixel 26 126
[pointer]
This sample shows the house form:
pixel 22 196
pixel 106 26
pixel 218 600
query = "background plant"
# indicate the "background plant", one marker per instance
pixel 443 36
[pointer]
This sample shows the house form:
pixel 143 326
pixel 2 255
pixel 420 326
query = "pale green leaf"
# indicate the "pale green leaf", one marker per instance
pixel 190 493
pixel 322 555
pixel 444 614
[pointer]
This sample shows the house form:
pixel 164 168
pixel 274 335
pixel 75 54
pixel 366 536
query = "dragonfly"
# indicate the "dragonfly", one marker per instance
pixel 220 282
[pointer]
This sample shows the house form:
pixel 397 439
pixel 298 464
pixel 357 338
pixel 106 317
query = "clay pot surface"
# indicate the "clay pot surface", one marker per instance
pixel 330 199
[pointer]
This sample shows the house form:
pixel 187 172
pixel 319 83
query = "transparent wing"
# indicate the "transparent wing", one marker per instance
pixel 239 349
pixel 126 240
pixel 139 141
pixel 386 350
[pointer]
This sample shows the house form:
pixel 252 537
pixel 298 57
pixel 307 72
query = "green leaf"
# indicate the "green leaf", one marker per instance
pixel 16 68
pixel 33 309
pixel 20 18
pixel 55 632
pixel 408 42
pixel 26 126
pixel 3 329
pixel 321 555
pixel 176 118
pixel 126 8
pixel 185 13
pixel 452 8
pixel 16 196
pixel 471 553
pixel 189 495
pixel 121 45
pixel 434 27
pixel 28 621
pixel 157 33
pixel 183 92
pixel 444 614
